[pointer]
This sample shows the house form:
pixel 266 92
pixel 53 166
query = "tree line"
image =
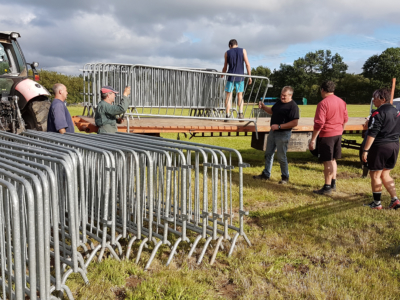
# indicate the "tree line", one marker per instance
pixel 305 76
pixel 308 72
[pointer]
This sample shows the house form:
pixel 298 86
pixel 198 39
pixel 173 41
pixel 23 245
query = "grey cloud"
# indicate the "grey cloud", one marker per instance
pixel 67 34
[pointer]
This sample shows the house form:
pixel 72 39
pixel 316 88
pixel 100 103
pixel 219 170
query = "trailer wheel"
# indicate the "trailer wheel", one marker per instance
pixel 35 115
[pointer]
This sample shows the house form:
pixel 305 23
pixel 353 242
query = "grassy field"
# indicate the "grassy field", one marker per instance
pixel 304 245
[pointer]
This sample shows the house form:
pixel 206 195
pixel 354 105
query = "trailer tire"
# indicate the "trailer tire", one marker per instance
pixel 35 114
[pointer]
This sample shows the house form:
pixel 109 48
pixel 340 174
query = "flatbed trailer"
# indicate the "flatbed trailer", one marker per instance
pixel 195 128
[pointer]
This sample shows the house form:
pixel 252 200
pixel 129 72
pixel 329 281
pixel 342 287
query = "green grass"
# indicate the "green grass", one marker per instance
pixel 305 246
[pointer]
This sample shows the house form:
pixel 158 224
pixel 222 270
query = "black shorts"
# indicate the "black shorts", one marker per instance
pixel 329 148
pixel 382 156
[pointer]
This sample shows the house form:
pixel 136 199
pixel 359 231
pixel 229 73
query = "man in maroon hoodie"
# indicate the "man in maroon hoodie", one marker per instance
pixel 329 121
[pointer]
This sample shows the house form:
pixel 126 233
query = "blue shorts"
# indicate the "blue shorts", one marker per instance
pixel 239 86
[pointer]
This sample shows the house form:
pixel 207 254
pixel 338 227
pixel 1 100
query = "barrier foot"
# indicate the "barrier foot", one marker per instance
pixel 196 241
pixel 171 256
pixel 141 249
pixel 216 250
pixel 247 239
pixel 233 244
pixel 113 252
pixel 204 250
pixel 128 250
pixel 92 255
pixel 153 254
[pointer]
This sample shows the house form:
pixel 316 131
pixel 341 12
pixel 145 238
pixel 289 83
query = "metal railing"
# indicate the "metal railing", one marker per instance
pixel 68 199
pixel 171 92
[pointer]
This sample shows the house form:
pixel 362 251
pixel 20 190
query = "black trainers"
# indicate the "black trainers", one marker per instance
pixel 373 205
pixel 262 176
pixel 323 191
pixel 394 203
pixel 227 118
pixel 284 180
pixel 241 116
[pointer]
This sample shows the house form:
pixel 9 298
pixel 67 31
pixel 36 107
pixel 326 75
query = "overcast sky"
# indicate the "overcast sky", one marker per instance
pixel 64 35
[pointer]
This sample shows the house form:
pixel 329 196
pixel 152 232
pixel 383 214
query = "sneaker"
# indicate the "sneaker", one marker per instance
pixel 373 205
pixel 285 180
pixel 323 191
pixel 226 118
pixel 333 188
pixel 394 203
pixel 241 116
pixel 262 176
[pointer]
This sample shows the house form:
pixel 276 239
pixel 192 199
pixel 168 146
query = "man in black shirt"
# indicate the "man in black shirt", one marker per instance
pixel 382 148
pixel 285 116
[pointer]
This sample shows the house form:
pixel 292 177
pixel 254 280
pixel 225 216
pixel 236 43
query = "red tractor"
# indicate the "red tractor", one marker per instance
pixel 24 103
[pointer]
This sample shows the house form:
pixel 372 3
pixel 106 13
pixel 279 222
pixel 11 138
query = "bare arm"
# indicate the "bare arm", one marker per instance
pixel 264 107
pixel 225 64
pixel 62 131
pixel 367 146
pixel 287 125
pixel 246 61
pixel 311 145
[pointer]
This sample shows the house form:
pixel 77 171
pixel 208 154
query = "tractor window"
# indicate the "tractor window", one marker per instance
pixel 20 60
pixel 9 60
pixel 4 61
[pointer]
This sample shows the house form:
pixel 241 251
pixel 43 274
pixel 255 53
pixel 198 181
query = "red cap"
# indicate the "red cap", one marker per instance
pixel 108 89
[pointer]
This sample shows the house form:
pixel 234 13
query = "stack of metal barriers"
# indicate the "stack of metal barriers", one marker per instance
pixel 171 92
pixel 71 199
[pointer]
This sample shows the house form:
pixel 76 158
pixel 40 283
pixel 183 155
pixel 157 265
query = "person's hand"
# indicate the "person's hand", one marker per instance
pixel 364 156
pixel 311 145
pixel 250 80
pixel 275 127
pixel 260 104
pixel 119 120
pixel 127 91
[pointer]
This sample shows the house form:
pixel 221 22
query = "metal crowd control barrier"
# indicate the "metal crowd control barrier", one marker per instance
pixel 171 92
pixel 63 194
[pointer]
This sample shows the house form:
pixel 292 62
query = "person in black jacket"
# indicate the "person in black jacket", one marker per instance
pixel 382 147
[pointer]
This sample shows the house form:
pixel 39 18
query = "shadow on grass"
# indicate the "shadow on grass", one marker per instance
pixel 302 214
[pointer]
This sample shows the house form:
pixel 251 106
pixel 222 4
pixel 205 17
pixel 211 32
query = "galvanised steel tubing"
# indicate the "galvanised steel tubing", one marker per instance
pixel 164 239
pixel 53 153
pixel 41 189
pixel 124 138
pixel 26 154
pixel 215 215
pixel 117 156
pixel 241 165
pixel 171 143
pixel 76 159
pixel 176 70
pixel 100 141
pixel 119 151
pixel 53 191
pixel 29 205
pixel 137 147
pixel 47 157
pixel 215 176
pixel 109 177
pixel 12 205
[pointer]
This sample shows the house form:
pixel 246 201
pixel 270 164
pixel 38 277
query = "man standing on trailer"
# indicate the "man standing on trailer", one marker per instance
pixel 59 119
pixel 106 112
pixel 235 57
pixel 329 121
pixel 285 116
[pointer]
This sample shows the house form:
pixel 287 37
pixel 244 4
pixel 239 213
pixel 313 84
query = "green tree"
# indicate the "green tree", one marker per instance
pixel 74 84
pixel 383 67
pixel 307 73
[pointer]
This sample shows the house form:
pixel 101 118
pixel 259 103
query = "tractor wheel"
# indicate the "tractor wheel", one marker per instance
pixel 35 115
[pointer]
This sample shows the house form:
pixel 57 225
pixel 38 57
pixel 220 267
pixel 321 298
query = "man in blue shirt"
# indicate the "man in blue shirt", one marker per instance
pixel 59 119
pixel 235 58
